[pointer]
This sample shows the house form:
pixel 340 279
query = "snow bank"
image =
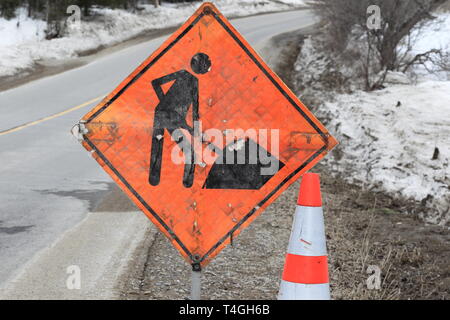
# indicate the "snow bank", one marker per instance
pixel 15 34
pixel 21 46
pixel 395 140
pixel 21 29
pixel 389 137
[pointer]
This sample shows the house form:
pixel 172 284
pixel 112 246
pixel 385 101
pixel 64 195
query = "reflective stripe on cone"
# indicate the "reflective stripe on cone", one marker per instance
pixel 300 291
pixel 304 269
pixel 305 275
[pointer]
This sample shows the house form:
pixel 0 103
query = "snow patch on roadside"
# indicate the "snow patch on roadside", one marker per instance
pixel 388 139
pixel 14 35
pixel 396 140
pixel 24 44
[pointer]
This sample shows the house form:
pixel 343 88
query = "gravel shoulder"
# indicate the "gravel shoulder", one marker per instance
pixel 363 229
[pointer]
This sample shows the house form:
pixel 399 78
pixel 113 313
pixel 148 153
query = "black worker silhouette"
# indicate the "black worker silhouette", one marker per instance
pixel 247 175
pixel 171 113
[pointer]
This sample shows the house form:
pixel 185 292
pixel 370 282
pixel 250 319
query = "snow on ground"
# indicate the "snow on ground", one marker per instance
pixel 23 44
pixel 13 35
pixel 21 29
pixel 388 138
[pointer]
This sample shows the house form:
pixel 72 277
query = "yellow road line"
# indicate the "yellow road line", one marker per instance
pixel 32 123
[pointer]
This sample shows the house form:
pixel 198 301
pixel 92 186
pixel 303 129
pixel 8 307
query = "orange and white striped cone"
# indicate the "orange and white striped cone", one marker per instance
pixel 305 275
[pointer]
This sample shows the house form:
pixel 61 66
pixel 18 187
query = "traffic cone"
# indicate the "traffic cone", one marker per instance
pixel 305 275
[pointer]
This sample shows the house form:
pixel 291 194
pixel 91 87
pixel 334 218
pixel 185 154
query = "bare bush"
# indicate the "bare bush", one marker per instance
pixel 386 48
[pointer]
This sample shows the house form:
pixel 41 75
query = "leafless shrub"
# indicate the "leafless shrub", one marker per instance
pixel 443 61
pixel 378 51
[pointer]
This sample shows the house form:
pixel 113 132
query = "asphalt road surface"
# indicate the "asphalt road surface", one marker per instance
pixel 49 184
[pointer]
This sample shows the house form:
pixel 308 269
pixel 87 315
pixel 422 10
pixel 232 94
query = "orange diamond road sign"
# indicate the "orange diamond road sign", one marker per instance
pixel 203 136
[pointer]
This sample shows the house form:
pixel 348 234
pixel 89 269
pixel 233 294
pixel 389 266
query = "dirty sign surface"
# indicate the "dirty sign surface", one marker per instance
pixel 203 136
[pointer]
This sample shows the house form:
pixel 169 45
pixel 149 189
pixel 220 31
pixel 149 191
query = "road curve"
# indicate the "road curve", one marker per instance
pixel 48 181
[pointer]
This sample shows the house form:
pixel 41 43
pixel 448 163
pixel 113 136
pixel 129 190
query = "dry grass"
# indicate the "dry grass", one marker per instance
pixel 364 230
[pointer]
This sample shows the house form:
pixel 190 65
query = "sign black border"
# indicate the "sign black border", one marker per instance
pixel 206 11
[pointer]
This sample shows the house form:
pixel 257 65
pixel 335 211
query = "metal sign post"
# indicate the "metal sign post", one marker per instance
pixel 196 281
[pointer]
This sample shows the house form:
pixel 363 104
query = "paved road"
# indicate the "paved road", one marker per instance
pixel 48 183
